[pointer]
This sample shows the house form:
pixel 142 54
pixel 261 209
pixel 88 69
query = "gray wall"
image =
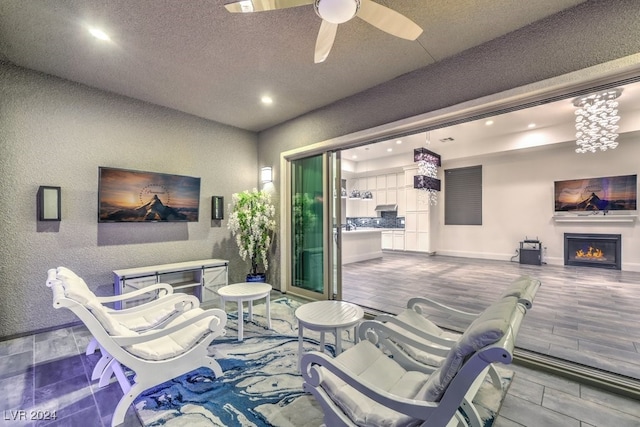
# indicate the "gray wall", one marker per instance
pixel 54 132
pixel 592 33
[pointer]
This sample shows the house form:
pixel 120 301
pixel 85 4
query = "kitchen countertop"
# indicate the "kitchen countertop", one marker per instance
pixel 371 229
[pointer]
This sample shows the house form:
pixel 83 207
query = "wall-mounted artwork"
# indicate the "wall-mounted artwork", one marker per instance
pixel 611 193
pixel 136 196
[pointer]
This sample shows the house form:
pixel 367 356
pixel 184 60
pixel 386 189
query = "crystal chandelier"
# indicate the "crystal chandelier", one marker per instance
pixel 596 121
pixel 427 178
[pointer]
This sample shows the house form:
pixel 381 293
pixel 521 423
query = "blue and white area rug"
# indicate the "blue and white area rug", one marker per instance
pixel 261 385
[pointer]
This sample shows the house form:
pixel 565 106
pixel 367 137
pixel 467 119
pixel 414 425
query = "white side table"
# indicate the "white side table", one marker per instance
pixel 248 291
pixel 327 316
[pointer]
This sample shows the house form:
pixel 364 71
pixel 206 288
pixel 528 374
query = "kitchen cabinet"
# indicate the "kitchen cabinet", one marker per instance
pixel 401 201
pixel 361 244
pixel 381 197
pixel 398 240
pixel 391 181
pixel 387 240
pixel 393 240
pixel 417 218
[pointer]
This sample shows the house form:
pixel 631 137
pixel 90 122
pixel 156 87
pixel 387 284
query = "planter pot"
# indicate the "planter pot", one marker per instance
pixel 260 277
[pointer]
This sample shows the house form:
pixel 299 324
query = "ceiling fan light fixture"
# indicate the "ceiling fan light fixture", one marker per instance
pixel 246 6
pixel 336 11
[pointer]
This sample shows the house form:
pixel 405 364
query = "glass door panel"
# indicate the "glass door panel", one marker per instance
pixel 308 227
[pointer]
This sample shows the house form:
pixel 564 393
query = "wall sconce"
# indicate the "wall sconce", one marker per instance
pixel 217 207
pixel 49 205
pixel 266 174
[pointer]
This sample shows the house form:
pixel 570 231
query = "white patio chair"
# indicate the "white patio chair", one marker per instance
pixel 163 306
pixel 156 355
pixel 435 339
pixel 365 387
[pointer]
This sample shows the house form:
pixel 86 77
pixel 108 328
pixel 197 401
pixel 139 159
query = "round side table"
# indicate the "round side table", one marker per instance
pixel 327 316
pixel 247 291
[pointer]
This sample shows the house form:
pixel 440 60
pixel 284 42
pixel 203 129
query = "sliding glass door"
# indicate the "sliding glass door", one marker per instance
pixel 314 238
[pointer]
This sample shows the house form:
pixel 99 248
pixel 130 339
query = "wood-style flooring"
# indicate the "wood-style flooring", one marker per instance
pixel 580 314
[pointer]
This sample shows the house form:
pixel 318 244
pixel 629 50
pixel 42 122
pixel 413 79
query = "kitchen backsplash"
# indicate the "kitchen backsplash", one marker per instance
pixel 387 220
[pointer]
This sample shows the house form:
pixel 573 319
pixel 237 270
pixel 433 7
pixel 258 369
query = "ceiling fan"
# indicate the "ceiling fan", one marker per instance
pixel 334 12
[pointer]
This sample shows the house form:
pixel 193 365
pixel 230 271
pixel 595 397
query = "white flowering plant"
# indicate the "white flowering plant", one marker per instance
pixel 251 222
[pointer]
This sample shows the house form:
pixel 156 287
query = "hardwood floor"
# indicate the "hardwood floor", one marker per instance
pixel 580 314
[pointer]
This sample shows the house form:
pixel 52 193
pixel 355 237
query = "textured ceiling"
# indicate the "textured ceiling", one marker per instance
pixel 195 57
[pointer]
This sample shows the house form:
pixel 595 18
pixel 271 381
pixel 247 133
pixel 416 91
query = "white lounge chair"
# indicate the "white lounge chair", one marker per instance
pixel 156 355
pixel 162 307
pixel 414 321
pixel 365 387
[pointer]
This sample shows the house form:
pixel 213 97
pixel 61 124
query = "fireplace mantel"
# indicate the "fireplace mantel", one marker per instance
pixel 595 218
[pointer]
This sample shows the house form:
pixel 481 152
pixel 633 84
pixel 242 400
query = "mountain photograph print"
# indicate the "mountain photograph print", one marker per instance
pixel 135 196
pixel 612 193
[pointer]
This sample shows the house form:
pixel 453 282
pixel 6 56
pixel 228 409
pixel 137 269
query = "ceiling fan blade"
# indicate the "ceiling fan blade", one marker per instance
pixel 247 6
pixel 324 42
pixel 388 20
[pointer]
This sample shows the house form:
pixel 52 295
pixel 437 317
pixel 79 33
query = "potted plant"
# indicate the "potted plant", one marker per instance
pixel 251 222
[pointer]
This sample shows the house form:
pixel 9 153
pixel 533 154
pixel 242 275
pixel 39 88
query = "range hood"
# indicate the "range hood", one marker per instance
pixel 386 208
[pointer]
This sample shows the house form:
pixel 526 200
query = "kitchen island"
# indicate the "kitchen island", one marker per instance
pixel 361 244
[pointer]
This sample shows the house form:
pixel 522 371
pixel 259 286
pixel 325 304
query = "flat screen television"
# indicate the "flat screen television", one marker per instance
pixel 135 196
pixel 610 193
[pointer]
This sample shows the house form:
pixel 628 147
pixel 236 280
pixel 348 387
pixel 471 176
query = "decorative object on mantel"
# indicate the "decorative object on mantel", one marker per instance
pixel 427 178
pixel 596 121
pixel 251 222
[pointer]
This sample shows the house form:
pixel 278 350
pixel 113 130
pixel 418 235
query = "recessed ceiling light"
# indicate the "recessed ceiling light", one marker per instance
pixel 531 125
pixel 399 141
pixel 389 149
pixel 267 100
pixel 354 156
pixel 99 34
pixel 488 122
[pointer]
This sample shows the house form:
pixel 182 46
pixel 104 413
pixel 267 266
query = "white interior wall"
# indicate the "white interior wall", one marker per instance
pixel 518 202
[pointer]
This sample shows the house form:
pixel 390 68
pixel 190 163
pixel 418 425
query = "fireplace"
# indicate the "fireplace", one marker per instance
pixel 593 250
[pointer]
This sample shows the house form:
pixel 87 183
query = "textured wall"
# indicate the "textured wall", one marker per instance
pixel 592 33
pixel 53 132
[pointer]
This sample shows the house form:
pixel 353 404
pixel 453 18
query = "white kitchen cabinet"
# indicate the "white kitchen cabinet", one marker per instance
pixel 401 201
pixel 398 240
pixel 382 196
pixel 391 181
pixel 416 241
pixel 412 199
pixel 387 240
pixel 372 183
pixel 417 225
pixel 187 277
pixel 391 196
pixel 381 182
pixel 393 240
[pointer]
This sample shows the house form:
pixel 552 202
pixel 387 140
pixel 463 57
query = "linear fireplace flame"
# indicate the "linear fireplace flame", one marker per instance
pixel 591 253
pixel 593 250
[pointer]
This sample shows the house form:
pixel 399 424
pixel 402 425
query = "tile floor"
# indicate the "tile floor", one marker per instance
pixel 49 372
